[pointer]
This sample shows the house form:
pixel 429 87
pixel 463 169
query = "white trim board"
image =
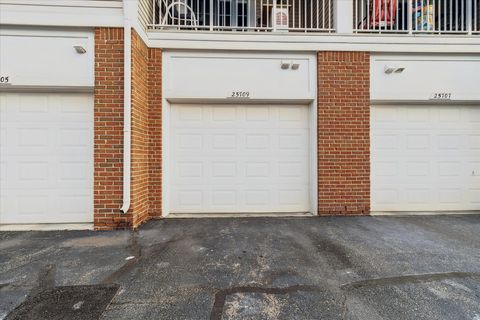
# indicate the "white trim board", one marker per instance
pixel 46 227
pixel 256 173
pixel 313 168
pixel 313 42
pixel 240 215
pixel 421 213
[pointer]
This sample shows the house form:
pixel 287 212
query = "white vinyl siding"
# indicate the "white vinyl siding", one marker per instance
pixel 145 13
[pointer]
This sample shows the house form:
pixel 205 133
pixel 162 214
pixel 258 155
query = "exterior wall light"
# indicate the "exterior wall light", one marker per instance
pixel 285 65
pixel 389 69
pixel 80 49
pixel 392 69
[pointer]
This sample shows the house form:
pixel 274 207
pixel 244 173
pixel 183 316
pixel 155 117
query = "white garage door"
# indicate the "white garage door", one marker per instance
pixel 228 158
pixel 425 158
pixel 46 158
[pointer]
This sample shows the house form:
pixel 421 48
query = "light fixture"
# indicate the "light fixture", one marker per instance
pixel 389 69
pixel 285 65
pixel 295 66
pixel 393 69
pixel 80 49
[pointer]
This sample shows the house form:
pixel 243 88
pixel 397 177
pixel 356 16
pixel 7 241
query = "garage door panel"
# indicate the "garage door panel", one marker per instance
pixel 46 158
pixel 424 169
pixel 258 199
pixel 451 196
pixel 74 206
pixel 472 115
pixel 387 141
pixel 449 169
pixel 258 169
pixel 30 106
pixel 418 142
pixel 474 141
pixel 237 158
pixel 474 196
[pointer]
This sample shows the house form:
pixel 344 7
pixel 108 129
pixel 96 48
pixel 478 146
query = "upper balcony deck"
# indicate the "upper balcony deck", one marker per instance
pixel 428 17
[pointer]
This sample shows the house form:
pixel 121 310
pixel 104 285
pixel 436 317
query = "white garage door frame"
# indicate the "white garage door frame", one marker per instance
pixel 166 152
pixel 378 210
pixel 210 77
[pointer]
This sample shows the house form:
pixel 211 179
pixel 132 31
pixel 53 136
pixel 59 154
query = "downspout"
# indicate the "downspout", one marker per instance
pixel 127 109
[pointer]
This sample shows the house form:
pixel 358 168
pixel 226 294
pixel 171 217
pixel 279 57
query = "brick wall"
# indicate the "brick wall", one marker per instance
pixel 108 131
pixel 140 131
pixel 155 127
pixel 343 133
pixel 146 131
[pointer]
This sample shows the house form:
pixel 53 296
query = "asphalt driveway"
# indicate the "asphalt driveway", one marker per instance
pixel 248 268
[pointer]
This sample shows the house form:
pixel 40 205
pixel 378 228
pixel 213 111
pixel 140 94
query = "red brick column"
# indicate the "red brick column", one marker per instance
pixel 343 133
pixel 146 174
pixel 155 127
pixel 140 131
pixel 146 131
pixel 108 131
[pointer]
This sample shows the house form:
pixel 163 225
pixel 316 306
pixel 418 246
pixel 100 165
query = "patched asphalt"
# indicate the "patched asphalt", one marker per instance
pixel 422 267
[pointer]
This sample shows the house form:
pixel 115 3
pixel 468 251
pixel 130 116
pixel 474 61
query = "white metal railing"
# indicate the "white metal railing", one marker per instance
pixel 476 16
pixel 243 15
pixel 417 16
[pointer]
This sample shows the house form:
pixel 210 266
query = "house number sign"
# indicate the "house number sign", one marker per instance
pixel 240 94
pixel 441 96
pixel 4 79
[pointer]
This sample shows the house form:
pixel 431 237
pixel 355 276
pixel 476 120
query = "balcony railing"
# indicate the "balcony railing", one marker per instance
pixel 244 15
pixel 417 16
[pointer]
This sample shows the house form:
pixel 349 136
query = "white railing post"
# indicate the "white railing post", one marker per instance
pixel 274 15
pixel 469 13
pixel 410 16
pixel 154 12
pixel 343 16
pixel 211 15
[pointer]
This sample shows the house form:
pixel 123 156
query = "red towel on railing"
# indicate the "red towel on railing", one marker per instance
pixel 383 13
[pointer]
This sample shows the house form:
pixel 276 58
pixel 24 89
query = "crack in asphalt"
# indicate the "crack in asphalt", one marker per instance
pixel 414 278
pixel 221 295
